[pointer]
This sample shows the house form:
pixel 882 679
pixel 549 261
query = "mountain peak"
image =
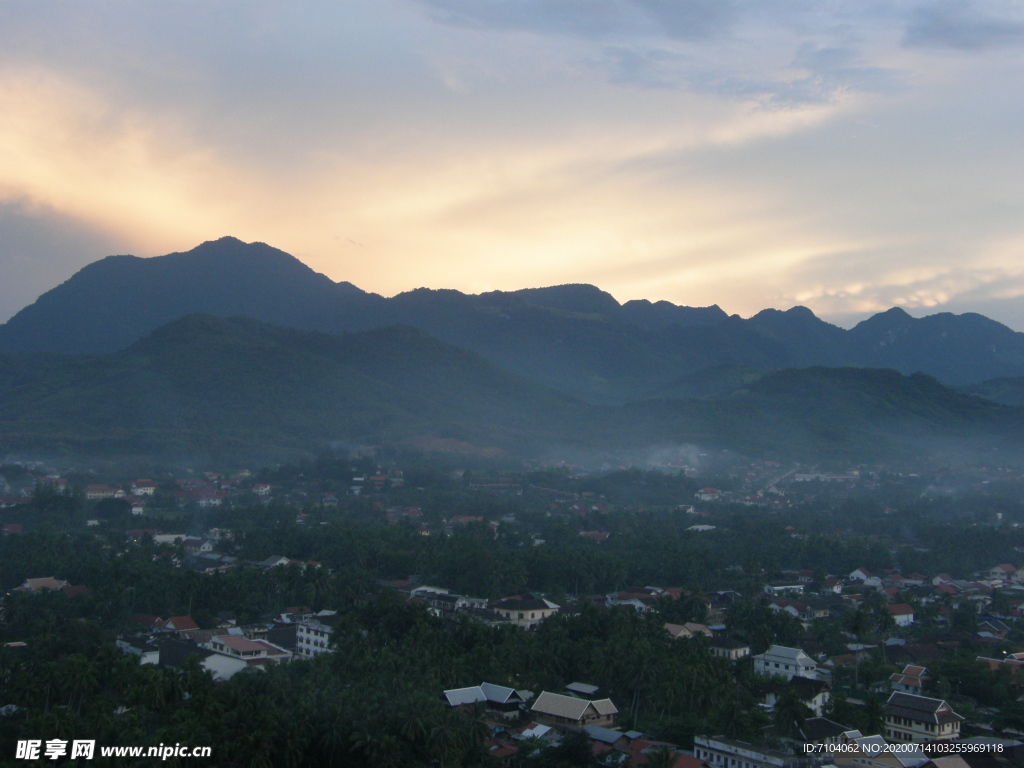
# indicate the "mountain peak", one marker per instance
pixel 112 302
pixel 571 297
pixel 892 319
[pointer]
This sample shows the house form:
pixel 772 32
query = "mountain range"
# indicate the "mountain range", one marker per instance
pixel 237 349
pixel 575 338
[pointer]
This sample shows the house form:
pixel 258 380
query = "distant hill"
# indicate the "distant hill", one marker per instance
pixel 575 338
pixel 850 413
pixel 708 383
pixel 1008 391
pixel 202 387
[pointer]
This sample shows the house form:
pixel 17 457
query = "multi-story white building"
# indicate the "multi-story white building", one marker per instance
pixel 786 662
pixel 312 638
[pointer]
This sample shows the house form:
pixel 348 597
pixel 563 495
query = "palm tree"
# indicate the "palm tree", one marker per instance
pixel 790 712
pixel 874 716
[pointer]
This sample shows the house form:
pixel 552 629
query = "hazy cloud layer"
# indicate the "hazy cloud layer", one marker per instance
pixel 965 25
pixel 844 155
pixel 40 248
pixel 594 19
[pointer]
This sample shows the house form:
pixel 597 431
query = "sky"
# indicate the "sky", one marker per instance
pixel 844 156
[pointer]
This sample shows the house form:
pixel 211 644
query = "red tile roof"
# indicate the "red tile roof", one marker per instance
pixel 900 609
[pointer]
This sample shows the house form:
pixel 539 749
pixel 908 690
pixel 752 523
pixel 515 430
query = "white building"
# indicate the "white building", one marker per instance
pixel 786 662
pixel 252 652
pixel 143 488
pixel 526 613
pixel 312 638
pixel 719 752
pixel 902 614
pixel 865 577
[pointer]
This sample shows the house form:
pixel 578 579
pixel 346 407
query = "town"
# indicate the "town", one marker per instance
pixel 724 615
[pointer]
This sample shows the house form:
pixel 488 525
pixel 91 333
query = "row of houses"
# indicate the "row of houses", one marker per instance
pixel 524 611
pixel 298 633
pixel 909 719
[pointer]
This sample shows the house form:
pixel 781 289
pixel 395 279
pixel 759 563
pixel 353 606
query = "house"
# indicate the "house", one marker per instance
pixel 902 613
pixel 210 498
pixel 141 646
pixel 920 719
pixel 893 580
pixel 252 652
pixel 536 731
pixel 1001 572
pixel 497 697
pixel 815 694
pixel 687 630
pixel 1014 666
pixel 910 680
pixel 865 577
pixel 424 591
pixel 581 690
pixel 805 612
pixel 859 751
pixel 45 584
pixel 821 730
pixel 605 735
pixel 98 492
pixel 993 629
pixel 176 653
pixel 199 636
pixel 448 604
pixel 143 488
pixel 709 494
pixel 730 649
pixel 180 624
pixel 500 752
pixel 168 538
pixel 640 750
pixel 833 585
pixel 195 545
pixel 640 601
pixel 527 612
pixel 784 588
pixel 572 713
pixel 274 561
pixel 785 662
pixel 720 752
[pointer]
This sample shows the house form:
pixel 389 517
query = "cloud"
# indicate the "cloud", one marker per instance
pixel 745 153
pixel 965 25
pixel 40 248
pixel 782 54
pixel 592 19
